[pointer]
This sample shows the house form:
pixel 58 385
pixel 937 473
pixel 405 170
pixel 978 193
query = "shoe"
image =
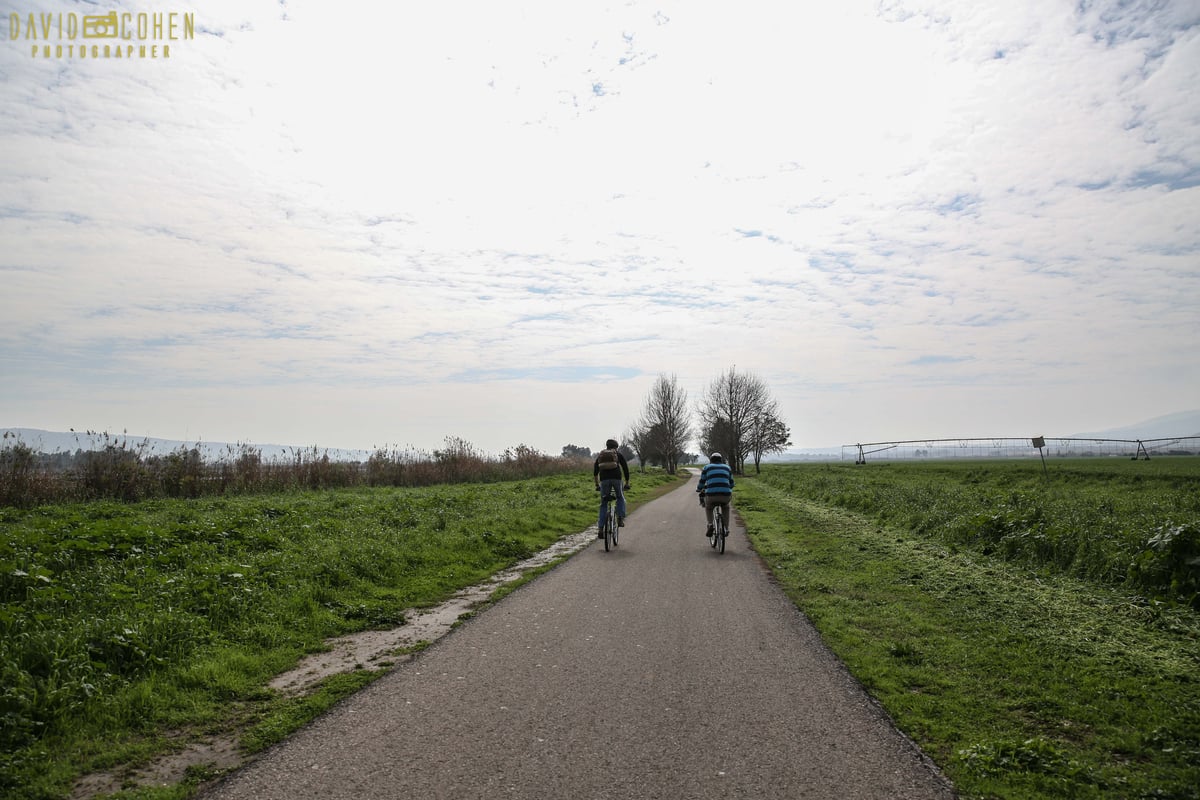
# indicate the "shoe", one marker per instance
pixel 620 522
pixel 709 532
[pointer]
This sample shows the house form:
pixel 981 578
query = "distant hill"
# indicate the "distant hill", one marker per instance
pixel 1185 423
pixel 69 442
pixel 806 454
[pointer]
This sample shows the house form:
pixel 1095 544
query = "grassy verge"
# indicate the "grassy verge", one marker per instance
pixel 1112 521
pixel 1018 680
pixel 127 629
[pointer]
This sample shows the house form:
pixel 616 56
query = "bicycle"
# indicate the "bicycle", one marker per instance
pixel 609 529
pixel 720 528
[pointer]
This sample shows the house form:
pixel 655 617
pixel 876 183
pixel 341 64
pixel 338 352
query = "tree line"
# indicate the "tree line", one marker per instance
pixel 735 416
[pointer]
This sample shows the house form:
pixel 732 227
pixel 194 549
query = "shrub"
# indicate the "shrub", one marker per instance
pixel 1171 558
pixel 123 471
pixel 22 480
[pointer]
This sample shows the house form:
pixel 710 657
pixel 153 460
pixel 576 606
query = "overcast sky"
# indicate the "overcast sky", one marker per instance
pixel 358 224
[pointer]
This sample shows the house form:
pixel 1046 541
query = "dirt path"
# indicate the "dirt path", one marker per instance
pixel 659 670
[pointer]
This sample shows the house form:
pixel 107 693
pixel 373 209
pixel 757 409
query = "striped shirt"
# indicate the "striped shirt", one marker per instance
pixel 716 480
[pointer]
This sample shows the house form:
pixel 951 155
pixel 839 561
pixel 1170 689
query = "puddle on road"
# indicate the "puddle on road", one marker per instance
pixel 365 650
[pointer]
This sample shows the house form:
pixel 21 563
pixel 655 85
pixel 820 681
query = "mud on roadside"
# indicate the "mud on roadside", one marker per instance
pixel 372 649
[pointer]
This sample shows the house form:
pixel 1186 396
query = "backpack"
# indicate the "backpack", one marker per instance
pixel 608 459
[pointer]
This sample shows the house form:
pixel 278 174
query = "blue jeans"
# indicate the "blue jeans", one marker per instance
pixel 607 487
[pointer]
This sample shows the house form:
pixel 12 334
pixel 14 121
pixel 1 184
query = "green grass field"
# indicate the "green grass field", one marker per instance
pixel 128 629
pixel 1034 633
pixel 1113 521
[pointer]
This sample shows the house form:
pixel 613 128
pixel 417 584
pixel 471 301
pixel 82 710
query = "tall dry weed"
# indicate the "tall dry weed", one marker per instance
pixel 123 470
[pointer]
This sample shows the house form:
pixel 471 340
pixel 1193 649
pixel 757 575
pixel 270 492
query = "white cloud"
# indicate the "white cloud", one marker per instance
pixel 903 215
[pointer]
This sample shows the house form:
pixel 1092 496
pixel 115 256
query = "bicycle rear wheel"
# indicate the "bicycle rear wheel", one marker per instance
pixel 610 526
pixel 720 528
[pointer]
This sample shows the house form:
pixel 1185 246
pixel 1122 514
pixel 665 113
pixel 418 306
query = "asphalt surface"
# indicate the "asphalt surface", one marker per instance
pixel 658 670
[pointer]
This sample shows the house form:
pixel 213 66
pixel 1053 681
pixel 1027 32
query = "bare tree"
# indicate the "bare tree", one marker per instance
pixel 728 410
pixel 768 434
pixel 715 435
pixel 665 422
pixel 637 440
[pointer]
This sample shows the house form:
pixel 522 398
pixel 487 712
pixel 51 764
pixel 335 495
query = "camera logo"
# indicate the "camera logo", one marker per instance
pixel 101 27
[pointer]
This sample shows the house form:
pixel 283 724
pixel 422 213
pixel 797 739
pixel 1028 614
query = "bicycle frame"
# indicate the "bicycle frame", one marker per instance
pixel 609 527
pixel 720 530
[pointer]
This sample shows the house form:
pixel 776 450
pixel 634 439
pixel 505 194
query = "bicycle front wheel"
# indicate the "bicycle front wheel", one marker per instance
pixel 720 528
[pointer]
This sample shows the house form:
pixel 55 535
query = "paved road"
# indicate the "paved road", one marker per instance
pixel 659 670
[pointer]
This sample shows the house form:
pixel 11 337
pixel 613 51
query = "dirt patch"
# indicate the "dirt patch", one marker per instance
pixel 214 753
pixel 365 650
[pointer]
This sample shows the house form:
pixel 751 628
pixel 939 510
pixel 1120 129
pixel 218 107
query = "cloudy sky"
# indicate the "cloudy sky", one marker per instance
pixel 362 224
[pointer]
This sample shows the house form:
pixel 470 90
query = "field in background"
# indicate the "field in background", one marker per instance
pixel 129 629
pixel 1036 634
pixel 1047 447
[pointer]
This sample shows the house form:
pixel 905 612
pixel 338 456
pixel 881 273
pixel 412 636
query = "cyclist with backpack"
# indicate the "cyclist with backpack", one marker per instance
pixel 715 487
pixel 607 471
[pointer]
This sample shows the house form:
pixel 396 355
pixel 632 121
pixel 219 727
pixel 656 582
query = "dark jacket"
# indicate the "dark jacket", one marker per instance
pixel 607 468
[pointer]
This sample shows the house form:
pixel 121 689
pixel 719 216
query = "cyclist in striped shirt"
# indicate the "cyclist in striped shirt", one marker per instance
pixel 715 487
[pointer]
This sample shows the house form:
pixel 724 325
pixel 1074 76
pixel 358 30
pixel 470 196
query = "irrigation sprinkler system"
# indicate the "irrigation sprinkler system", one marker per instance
pixel 1019 447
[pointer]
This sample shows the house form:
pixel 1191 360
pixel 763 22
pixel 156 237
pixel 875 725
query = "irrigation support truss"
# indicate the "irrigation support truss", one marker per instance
pixel 1019 447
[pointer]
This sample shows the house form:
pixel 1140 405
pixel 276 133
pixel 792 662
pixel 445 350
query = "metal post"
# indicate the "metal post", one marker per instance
pixel 1039 442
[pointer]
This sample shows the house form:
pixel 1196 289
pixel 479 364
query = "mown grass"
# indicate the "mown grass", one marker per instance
pixel 1115 521
pixel 126 628
pixel 1023 677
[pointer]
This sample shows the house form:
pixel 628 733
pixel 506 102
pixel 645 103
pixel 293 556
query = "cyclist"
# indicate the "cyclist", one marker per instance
pixel 607 470
pixel 715 487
